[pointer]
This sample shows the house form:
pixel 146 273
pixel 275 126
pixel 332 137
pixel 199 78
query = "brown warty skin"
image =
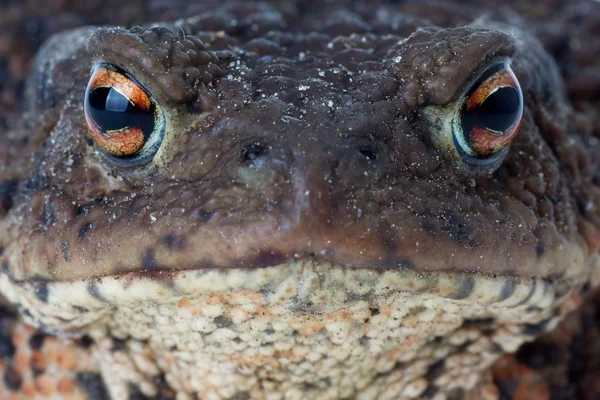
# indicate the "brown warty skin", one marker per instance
pixel 306 215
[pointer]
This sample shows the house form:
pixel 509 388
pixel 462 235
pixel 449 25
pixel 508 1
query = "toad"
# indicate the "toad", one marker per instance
pixel 291 201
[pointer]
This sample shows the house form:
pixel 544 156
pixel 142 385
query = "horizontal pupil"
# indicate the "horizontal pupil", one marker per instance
pixel 112 111
pixel 500 109
pixel 497 113
pixel 109 99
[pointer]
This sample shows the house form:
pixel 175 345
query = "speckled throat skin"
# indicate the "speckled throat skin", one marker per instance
pixel 350 257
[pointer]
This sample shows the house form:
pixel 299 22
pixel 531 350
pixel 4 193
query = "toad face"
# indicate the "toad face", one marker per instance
pixel 279 211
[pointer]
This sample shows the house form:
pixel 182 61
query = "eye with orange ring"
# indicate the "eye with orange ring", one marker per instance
pixel 123 119
pixel 489 117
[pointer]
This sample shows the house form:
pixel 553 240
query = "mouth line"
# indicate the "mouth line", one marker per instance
pixel 303 288
pixel 300 277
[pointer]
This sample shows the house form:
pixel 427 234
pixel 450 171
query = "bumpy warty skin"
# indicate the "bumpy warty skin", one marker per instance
pixel 302 198
pixel 347 215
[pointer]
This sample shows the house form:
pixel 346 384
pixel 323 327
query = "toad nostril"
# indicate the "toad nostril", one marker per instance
pixel 360 163
pixel 253 151
pixel 368 151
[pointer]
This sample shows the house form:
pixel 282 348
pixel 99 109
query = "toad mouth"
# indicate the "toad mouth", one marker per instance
pixel 307 287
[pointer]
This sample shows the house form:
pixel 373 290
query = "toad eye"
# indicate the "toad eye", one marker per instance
pixel 122 117
pixel 489 117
